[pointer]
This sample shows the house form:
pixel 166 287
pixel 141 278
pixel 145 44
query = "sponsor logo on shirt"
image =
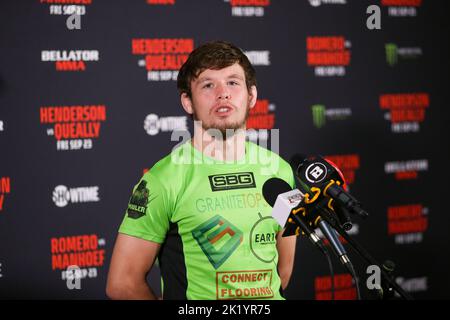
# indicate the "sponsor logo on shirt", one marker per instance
pixel 138 201
pixel 218 239
pixel 229 181
pixel 249 284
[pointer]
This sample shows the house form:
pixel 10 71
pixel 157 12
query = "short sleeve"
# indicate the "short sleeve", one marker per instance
pixel 147 215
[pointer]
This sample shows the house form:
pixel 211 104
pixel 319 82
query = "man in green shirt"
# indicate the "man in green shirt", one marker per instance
pixel 200 210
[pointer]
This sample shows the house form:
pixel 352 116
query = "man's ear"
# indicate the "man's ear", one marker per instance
pixel 253 95
pixel 186 102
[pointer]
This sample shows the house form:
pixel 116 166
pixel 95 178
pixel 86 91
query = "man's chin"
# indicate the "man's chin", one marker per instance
pixel 226 130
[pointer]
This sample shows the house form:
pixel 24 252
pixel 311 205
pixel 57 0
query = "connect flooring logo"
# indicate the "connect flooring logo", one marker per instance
pixel 209 237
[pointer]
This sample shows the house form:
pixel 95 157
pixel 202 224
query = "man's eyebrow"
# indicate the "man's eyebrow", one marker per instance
pixel 202 79
pixel 235 75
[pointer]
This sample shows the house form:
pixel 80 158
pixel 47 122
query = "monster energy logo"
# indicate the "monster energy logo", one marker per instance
pixel 209 236
pixel 391 53
pixel 318 112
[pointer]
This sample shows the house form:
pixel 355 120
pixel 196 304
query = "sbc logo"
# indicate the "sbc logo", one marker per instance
pixel 211 232
pixel 230 181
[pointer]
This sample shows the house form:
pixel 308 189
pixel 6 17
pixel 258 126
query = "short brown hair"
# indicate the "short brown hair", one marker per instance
pixel 214 55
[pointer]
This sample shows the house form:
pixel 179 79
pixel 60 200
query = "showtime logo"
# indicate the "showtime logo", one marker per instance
pixel 62 195
pixel 405 111
pixel 316 3
pixel 406 170
pixel 5 188
pixel 153 124
pixel 402 8
pixel 261 117
pixel 74 127
pixel 70 60
pixel 258 58
pixel 162 57
pixel 348 164
pixel 407 223
pixel 83 251
pixel 343 285
pixel 67 7
pixel 329 55
pixel 248 8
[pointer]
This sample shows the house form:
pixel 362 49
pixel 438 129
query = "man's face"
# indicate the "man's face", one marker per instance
pixel 220 98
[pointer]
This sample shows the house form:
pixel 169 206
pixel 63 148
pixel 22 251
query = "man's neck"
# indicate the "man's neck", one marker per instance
pixel 231 149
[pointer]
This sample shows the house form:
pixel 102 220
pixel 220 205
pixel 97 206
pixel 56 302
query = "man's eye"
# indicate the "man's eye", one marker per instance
pixel 208 85
pixel 233 83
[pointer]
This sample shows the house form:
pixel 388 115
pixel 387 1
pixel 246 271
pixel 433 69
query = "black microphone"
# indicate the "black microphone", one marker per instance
pixel 321 177
pixel 331 234
pixel 286 215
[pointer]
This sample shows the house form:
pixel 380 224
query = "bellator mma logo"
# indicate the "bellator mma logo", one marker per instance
pixel 406 170
pixel 74 127
pixel 162 57
pixel 70 60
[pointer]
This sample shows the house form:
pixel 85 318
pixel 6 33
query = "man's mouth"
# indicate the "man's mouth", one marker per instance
pixel 223 111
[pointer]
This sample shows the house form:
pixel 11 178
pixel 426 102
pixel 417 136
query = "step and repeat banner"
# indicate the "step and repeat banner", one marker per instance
pixel 88 103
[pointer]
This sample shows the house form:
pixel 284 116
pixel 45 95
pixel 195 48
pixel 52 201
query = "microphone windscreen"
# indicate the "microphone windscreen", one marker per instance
pixel 272 188
pixel 296 160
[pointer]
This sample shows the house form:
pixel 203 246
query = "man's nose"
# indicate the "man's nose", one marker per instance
pixel 223 92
